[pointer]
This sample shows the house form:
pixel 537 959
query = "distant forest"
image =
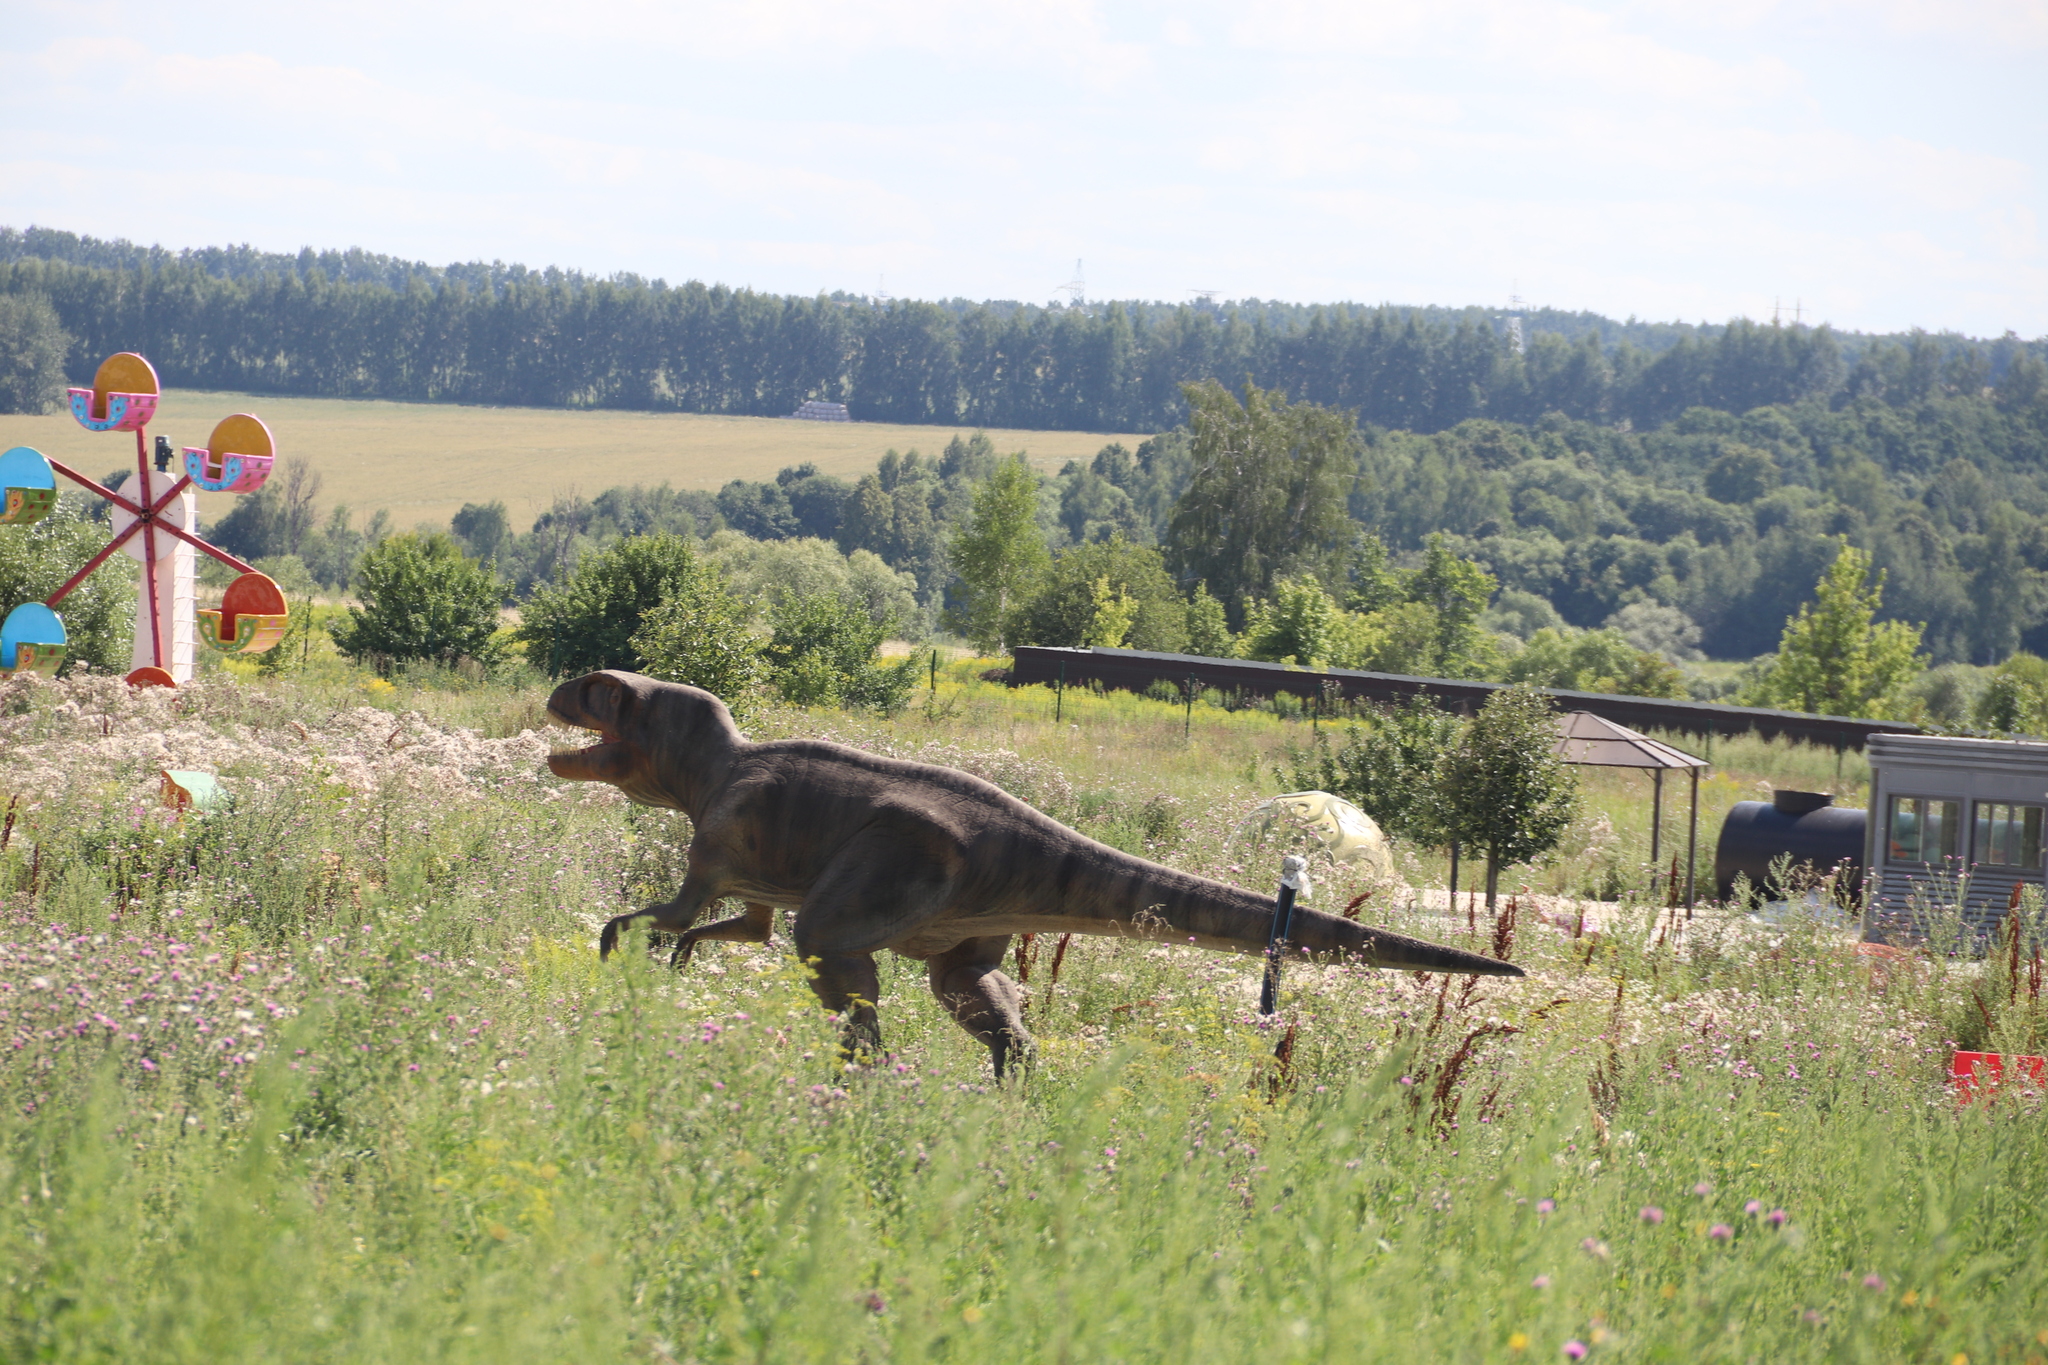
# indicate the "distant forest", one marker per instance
pixel 357 325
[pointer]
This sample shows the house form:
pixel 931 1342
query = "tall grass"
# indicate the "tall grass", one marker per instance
pixel 335 1075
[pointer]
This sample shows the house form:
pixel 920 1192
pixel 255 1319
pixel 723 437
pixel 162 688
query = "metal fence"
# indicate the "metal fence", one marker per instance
pixel 1136 670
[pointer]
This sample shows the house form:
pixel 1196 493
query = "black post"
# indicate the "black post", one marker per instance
pixel 1059 703
pixel 1692 844
pixel 1187 725
pixel 935 672
pixel 1656 821
pixel 1291 869
pixel 1454 875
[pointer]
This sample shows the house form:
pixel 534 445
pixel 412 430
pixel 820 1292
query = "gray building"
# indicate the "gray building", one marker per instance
pixel 1943 809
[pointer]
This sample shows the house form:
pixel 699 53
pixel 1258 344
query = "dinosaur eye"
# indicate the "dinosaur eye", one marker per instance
pixel 603 698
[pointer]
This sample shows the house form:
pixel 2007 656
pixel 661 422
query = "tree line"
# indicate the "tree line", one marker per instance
pixel 1697 538
pixel 352 325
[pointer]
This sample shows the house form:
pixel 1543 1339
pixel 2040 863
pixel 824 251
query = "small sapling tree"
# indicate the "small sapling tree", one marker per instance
pixel 1388 767
pixel 422 599
pixel 1504 788
pixel 1000 555
pixel 1835 657
pixel 823 653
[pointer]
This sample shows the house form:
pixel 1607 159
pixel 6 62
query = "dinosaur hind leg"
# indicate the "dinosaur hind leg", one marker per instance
pixel 969 981
pixel 880 885
pixel 848 985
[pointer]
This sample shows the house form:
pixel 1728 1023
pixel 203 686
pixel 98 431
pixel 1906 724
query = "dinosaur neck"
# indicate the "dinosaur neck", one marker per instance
pixel 699 764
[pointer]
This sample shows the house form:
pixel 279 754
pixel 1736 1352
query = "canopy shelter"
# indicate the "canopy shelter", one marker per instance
pixel 1586 739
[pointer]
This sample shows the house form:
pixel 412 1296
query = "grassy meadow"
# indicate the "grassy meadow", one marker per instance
pixel 335 1075
pixel 424 460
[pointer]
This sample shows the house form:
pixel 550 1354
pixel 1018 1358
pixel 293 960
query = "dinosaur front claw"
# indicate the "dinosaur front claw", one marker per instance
pixel 609 939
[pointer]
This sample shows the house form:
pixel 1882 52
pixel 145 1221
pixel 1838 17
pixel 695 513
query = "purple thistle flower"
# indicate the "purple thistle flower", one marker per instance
pixel 1546 1206
pixel 1874 1281
pixel 1651 1214
pixel 1540 1282
pixel 1776 1218
pixel 1703 1189
pixel 1753 1207
pixel 1720 1232
pixel 1576 1349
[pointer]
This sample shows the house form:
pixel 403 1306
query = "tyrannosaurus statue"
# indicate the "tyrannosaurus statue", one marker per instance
pixel 929 862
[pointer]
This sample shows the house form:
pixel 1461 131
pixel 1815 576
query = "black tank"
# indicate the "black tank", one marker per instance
pixel 1807 825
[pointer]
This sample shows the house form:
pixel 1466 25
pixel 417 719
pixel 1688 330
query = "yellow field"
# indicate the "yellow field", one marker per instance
pixel 424 460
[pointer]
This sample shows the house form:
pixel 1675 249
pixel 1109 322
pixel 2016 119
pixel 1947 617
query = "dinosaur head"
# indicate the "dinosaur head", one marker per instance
pixel 660 743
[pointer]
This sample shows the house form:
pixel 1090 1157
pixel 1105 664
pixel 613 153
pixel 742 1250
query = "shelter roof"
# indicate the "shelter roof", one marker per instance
pixel 1586 738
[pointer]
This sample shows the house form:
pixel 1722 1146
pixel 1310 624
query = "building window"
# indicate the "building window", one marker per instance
pixel 1924 829
pixel 2007 836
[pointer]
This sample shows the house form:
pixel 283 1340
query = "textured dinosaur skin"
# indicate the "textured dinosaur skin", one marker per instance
pixel 928 862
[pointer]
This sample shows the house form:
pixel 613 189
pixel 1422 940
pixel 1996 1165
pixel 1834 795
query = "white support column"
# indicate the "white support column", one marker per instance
pixel 175 610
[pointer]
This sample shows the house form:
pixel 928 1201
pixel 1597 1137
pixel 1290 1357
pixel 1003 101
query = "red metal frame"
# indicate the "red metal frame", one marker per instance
pixel 144 516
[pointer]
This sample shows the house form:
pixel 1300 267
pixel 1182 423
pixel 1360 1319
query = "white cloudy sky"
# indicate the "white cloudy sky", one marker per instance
pixel 1882 161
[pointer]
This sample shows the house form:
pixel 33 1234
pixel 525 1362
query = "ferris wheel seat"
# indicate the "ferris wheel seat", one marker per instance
pixel 122 397
pixel 112 411
pixel 235 459
pixel 32 640
pixel 28 487
pixel 226 473
pixel 251 618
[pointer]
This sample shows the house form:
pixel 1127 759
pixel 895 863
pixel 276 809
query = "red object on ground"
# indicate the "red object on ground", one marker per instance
pixel 1971 1071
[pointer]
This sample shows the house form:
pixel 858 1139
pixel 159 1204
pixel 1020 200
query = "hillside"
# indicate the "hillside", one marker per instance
pixel 423 461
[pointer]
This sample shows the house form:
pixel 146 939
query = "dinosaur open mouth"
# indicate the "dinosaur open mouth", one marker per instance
pixel 605 761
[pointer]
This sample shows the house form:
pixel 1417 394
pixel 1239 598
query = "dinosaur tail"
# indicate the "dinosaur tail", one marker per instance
pixel 1157 903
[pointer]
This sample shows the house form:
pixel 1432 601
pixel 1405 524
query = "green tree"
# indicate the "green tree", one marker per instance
pixel 99 615
pixel 1063 608
pixel 1112 612
pixel 2015 700
pixel 1835 658
pixel 485 529
pixel 1299 626
pixel 2009 704
pixel 1375 583
pixel 1504 788
pixel 702 636
pixel 1268 492
pixel 422 599
pixel 1457 590
pixel 1593 661
pixel 32 347
pixel 823 653
pixel 588 622
pixel 1741 475
pixel 1000 555
pixel 1209 626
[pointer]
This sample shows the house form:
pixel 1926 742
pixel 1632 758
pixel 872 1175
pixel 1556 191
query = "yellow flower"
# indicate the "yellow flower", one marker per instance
pixel 1518 1342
